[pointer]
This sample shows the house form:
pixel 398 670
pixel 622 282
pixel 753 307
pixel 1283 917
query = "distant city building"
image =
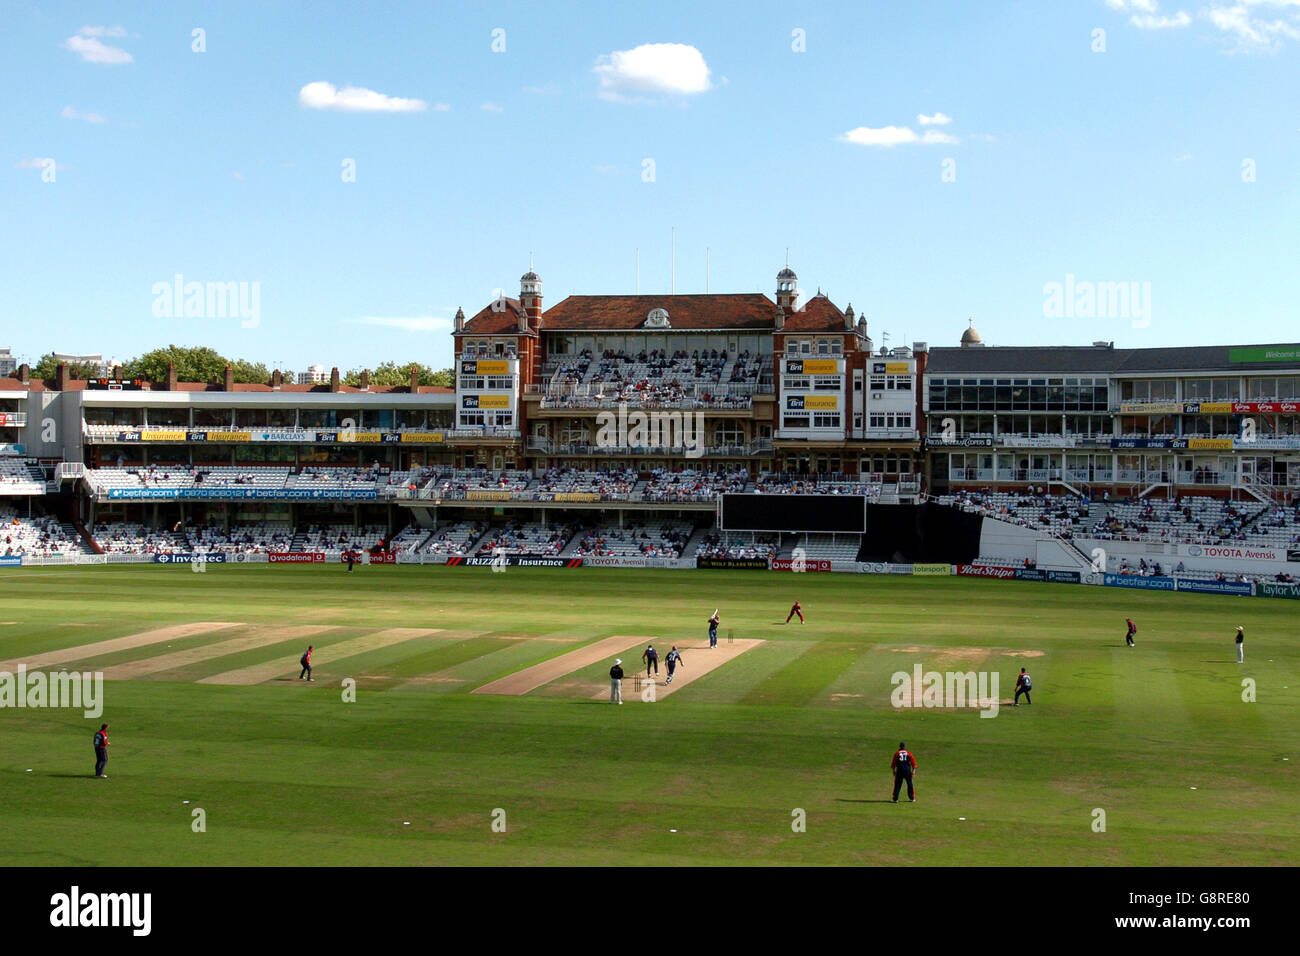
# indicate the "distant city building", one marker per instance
pixel 7 363
pixel 101 368
pixel 315 375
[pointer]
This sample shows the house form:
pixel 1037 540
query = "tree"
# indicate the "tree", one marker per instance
pixel 254 372
pixel 193 364
pixel 48 367
pixel 392 374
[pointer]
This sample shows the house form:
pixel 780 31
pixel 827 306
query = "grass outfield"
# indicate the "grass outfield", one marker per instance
pixel 289 774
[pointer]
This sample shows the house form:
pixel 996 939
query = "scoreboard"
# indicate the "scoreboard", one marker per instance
pixel 827 513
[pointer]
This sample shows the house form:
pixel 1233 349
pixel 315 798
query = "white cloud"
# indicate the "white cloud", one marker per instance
pixel 355 99
pixel 932 136
pixel 441 107
pixel 86 44
pixel 410 323
pixel 38 162
pixel 238 175
pixel 884 136
pixel 69 112
pixel 1151 21
pixel 675 69
pixel 938 119
pixel 492 108
pixel 102 32
pixel 1145 16
pixel 1251 33
pixel 889 136
pixel 1251 26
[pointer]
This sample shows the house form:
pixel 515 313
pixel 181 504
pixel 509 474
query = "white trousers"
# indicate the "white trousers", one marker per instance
pixel 615 691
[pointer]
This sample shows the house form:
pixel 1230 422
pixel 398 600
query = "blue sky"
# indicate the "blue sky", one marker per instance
pixel 1172 158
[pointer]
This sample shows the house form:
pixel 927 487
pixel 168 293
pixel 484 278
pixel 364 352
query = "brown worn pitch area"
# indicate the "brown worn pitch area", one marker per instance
pixel 288 667
pixel 113 645
pixel 194 655
pixel 696 662
pixel 530 678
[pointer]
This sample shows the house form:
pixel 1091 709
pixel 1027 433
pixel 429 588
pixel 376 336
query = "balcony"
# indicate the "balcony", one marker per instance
pixel 544 446
pixel 890 434
pixel 262 434
pixel 722 398
pixel 482 432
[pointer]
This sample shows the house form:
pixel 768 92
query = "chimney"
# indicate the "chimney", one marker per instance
pixel 460 320
pixel 117 372
pixel 230 379
pixel 24 373
pixel 64 377
pixel 334 379
pixel 780 318
pixel 276 379
pixel 365 380
pixel 171 377
pixel 415 378
pixel 848 318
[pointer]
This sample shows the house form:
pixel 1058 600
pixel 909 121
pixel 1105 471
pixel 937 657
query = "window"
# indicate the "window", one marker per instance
pixel 826 420
pixel 827 383
pixel 837 347
pixel 795 421
pixel 791 347
pixel 877 382
pixel 891 419
pixel 823 347
pixel 799 383
pixel 729 433
pixel 501 381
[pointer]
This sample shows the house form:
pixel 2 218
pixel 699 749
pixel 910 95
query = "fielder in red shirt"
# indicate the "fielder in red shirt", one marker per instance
pixel 903 765
pixel 797 609
pixel 305 661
